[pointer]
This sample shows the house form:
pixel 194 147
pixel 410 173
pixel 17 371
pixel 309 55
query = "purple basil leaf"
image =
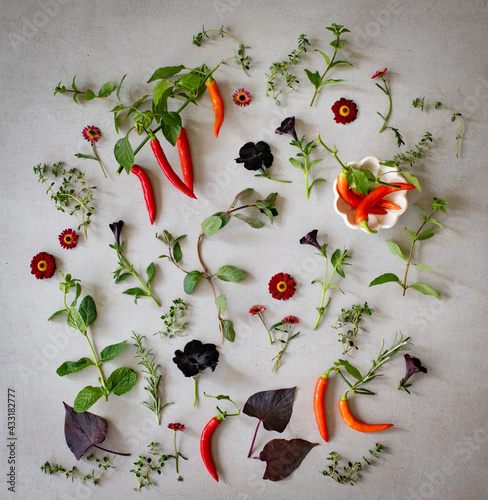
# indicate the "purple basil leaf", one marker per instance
pixel 282 457
pixel 273 408
pixel 83 430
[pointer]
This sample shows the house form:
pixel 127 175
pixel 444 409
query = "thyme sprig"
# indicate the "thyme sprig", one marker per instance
pixel 349 472
pixel 74 195
pixel 103 464
pixel 352 317
pixel 148 361
pixel 280 70
pixel 173 324
pixel 146 466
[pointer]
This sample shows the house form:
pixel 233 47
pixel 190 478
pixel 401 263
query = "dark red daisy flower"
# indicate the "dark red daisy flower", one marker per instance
pixel 43 265
pixel 68 239
pixel 177 426
pixel 380 72
pixel 257 309
pixel 92 133
pixel 291 320
pixel 281 286
pixel 242 97
pixel 345 111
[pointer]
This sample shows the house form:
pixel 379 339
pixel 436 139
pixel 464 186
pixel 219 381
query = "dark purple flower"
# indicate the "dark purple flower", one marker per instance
pixel 311 239
pixel 413 366
pixel 116 228
pixel 195 357
pixel 287 127
pixel 255 156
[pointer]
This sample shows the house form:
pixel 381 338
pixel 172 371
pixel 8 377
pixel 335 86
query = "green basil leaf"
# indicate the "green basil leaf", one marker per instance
pixel 425 289
pixel 75 320
pixel 211 225
pixel 230 273
pixel 177 252
pixel 395 249
pixel 426 234
pixel 221 303
pixel 112 351
pixel 74 366
pixel 150 271
pixel 89 95
pixel 121 381
pixel 86 398
pixel 228 330
pixel 165 73
pixel 191 280
pixel 124 154
pixel 386 278
pixel 106 89
pixel 88 310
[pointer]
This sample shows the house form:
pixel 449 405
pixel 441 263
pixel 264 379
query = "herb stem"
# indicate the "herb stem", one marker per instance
pixel 98 364
pixel 98 159
pixel 317 88
pixel 324 289
pixel 387 92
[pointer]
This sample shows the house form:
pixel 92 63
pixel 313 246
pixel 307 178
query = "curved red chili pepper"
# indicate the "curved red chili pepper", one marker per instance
pixel 386 204
pixel 206 446
pixel 185 158
pixel 166 167
pixel 217 103
pixel 377 194
pixel 147 191
pixel 352 422
pixel 318 404
pixel 352 198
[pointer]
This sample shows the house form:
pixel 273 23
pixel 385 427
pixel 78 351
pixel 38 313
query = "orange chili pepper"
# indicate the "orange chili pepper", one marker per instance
pixel 217 103
pixel 318 404
pixel 352 422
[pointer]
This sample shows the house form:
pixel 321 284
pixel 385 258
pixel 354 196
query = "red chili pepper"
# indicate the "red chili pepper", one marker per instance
pixel 206 446
pixel 168 171
pixel 217 103
pixel 377 194
pixel 147 190
pixel 386 204
pixel 185 158
pixel 318 404
pixel 352 198
pixel 352 422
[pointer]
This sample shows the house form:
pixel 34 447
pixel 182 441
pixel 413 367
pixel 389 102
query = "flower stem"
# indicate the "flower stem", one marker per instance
pixel 176 454
pixel 321 309
pixel 254 439
pixel 98 159
pixel 267 329
pixel 387 92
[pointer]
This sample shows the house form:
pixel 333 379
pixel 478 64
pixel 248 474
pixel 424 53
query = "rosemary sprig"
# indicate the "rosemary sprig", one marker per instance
pixel 104 464
pixel 147 360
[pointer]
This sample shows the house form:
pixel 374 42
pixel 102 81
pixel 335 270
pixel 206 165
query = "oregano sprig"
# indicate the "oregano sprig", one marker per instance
pixel 419 235
pixel 146 466
pixel 348 324
pixel 173 322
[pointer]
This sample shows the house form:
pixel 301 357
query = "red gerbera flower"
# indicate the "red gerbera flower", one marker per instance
pixel 291 320
pixel 380 72
pixel 177 426
pixel 345 111
pixel 68 239
pixel 242 97
pixel 257 310
pixel 281 286
pixel 43 265
pixel 92 133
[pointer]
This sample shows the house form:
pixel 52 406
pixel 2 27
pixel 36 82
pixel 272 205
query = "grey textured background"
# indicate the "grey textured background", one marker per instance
pixel 437 448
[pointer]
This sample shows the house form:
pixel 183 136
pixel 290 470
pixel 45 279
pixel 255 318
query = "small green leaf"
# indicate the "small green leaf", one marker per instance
pixel 386 278
pixel 88 310
pixel 211 225
pixel 395 249
pixel 121 381
pixel 75 320
pixel 411 179
pixel 340 63
pixel 57 313
pixel 120 86
pixel 165 73
pixel 352 370
pixel 228 330
pixel 89 95
pixel 426 234
pixel 122 277
pixel 106 89
pixel 313 77
pixel 425 289
pixel 86 398
pixel 190 82
pixel 124 154
pixel 254 223
pixel 86 157
pixel 324 55
pixel 177 252
pixel 296 163
pixel 150 271
pixel 230 273
pixel 112 351
pixel 330 82
pixel 191 280
pixel 242 194
pixel 422 266
pixel 158 91
pixel 136 293
pixel 74 366
pixel 221 303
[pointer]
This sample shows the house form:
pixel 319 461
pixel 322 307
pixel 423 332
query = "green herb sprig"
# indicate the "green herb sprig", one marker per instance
pixel 419 235
pixel 173 324
pixel 349 473
pixel 349 322
pixel 74 194
pixel 103 464
pixel 121 380
pixel 148 361
pixel 420 103
pixel 224 273
pixel 146 466
pixel 283 338
pixel 316 78
pixel 280 70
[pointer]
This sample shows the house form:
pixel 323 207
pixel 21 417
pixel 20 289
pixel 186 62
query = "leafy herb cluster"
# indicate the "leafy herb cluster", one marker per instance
pixel 419 235
pixel 148 465
pixel 121 380
pixel 74 194
pixel 349 322
pixel 173 323
pixel 103 464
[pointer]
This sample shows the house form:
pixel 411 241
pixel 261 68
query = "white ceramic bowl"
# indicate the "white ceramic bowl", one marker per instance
pixel 375 222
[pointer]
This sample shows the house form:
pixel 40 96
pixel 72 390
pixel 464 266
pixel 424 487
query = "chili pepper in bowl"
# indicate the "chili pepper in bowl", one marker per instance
pixel 147 191
pixel 217 103
pixel 166 167
pixel 376 195
pixel 352 422
pixel 185 158
pixel 352 198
